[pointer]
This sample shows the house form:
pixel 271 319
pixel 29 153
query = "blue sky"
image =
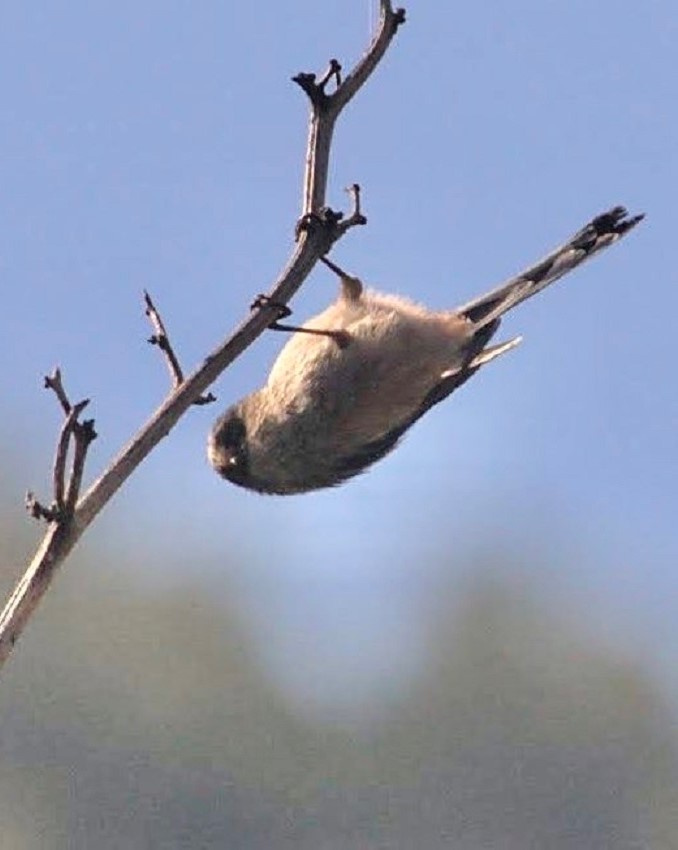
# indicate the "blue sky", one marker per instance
pixel 160 145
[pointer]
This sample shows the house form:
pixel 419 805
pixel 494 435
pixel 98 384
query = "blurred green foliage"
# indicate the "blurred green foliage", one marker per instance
pixel 137 717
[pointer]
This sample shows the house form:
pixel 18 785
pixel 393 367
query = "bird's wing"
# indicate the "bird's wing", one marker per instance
pixel 360 460
pixel 454 378
pixel 365 456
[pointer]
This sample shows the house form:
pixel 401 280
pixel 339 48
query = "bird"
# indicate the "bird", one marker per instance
pixel 351 381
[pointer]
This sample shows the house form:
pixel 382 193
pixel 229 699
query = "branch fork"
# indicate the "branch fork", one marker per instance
pixel 314 88
pixel 331 222
pixel 75 435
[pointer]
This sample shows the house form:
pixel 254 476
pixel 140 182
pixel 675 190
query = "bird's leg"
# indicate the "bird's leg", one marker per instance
pixel 352 286
pixel 340 337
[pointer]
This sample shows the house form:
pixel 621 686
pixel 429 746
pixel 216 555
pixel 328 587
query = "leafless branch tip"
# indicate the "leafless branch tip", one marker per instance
pixel 54 382
pixel 69 429
pixel 83 435
pixel 356 217
pixel 162 340
pixel 80 434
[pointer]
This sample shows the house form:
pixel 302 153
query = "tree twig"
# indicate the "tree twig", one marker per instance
pixel 327 108
pixel 83 435
pixel 65 492
pixel 53 382
pixel 318 229
pixel 162 340
pixel 356 217
pixel 69 431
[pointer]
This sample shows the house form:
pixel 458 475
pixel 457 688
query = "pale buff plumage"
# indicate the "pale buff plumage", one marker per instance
pixel 339 398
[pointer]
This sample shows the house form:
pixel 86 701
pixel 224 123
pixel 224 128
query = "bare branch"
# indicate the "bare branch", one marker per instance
pixel 333 71
pixel 318 229
pixel 325 109
pixel 83 436
pixel 82 433
pixel 68 430
pixel 53 382
pixel 315 89
pixel 389 21
pixel 356 218
pixel 162 340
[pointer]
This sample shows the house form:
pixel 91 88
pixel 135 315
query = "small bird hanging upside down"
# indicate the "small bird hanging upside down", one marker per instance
pixel 352 380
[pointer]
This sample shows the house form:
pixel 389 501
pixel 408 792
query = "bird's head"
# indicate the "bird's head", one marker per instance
pixel 227 449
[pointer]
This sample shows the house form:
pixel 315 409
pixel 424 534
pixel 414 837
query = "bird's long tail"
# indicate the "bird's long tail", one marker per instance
pixel 604 230
pixel 486 312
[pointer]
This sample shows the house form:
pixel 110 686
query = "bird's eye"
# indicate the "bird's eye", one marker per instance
pixel 232 433
pixel 227 447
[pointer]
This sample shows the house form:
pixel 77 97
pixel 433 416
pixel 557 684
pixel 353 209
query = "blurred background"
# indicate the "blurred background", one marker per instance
pixel 475 644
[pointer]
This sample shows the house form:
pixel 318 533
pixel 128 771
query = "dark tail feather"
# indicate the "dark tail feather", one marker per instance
pixel 604 230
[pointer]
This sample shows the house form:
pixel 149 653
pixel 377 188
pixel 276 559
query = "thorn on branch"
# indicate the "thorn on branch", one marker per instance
pixel 161 339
